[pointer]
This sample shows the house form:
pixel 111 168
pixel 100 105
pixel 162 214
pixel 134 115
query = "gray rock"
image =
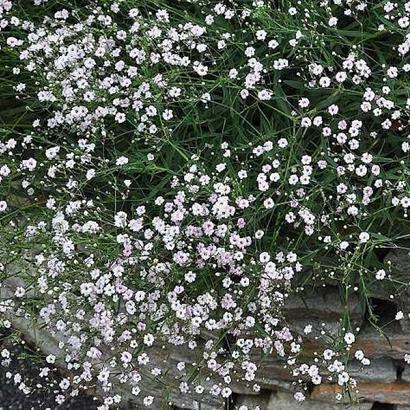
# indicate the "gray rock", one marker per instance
pixel 399 262
pixel 286 401
pixel 246 402
pixel 405 375
pixel 322 308
pixel 380 370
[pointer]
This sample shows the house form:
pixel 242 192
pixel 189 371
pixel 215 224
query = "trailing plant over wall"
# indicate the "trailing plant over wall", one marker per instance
pixel 174 174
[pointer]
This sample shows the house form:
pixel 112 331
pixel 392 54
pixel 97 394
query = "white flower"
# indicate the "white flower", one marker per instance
pixel 20 292
pixel 364 237
pixel 399 315
pixel 299 396
pixel 261 34
pixel 349 338
pixel 344 245
pixel 50 359
pixel 332 22
pixel 3 206
pixel 121 161
pixel 380 274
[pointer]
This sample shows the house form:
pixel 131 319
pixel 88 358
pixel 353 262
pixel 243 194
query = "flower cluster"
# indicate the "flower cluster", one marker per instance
pixel 173 173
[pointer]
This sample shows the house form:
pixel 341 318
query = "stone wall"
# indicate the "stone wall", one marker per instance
pixel 385 384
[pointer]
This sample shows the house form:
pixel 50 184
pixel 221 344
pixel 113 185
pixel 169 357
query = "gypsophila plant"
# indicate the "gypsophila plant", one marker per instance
pixel 173 172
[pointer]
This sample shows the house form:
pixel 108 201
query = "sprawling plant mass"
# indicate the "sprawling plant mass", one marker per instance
pixel 173 171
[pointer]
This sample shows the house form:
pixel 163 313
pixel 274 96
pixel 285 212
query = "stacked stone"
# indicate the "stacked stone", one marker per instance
pixel 382 385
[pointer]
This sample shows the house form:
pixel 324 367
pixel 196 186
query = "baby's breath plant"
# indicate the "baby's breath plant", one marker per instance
pixel 173 173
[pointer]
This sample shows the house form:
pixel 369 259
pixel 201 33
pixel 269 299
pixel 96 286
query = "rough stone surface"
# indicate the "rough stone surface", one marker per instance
pixel 381 370
pixel 399 260
pixel 385 381
pixel 247 402
pixel 322 308
pixel 392 393
pixel 393 343
pixel 285 401
pixel 405 372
